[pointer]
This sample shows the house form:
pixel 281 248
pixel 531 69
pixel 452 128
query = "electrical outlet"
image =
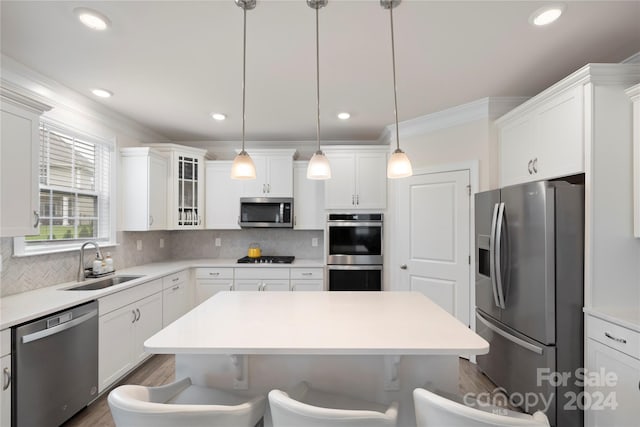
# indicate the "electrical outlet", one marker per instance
pixel 161 243
pixel 218 242
pixel 314 242
pixel 139 245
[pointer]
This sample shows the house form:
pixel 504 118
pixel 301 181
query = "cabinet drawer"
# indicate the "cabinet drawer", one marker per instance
pixel 214 273
pixel 128 296
pixel 261 273
pixel 614 336
pixel 5 342
pixel 175 279
pixel 307 273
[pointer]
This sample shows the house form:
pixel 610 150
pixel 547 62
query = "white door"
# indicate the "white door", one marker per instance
pixel 433 220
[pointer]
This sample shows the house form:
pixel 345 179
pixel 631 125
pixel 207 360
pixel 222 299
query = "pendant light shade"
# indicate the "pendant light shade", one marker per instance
pixel 243 167
pixel 399 165
pixel 319 167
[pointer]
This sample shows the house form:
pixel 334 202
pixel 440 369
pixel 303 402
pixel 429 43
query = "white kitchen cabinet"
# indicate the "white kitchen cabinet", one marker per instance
pixel 222 196
pixel 261 279
pixel 308 199
pixel 358 178
pixel 19 163
pixel 144 189
pixel 185 190
pixel 274 174
pixel 210 281
pixel 307 279
pixel 613 357
pixel 123 327
pixel 177 296
pixel 634 94
pixel 545 141
pixel 5 372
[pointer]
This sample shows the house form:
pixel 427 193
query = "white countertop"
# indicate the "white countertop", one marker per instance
pixel 26 306
pixel 327 323
pixel 629 319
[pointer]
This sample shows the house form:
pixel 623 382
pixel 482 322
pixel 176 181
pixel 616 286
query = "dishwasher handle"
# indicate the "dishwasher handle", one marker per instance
pixel 59 328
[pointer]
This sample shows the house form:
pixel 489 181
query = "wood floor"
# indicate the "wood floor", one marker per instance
pixel 160 369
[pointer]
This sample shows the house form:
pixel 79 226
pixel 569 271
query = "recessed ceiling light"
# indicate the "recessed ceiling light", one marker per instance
pixel 218 116
pixel 102 93
pixel 92 19
pixel 546 15
pixel 344 116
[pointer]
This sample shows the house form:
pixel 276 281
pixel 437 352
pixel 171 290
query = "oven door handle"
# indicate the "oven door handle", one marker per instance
pixel 354 267
pixel 354 224
pixel 59 328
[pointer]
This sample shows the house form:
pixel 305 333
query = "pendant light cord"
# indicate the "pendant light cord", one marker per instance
pixel 318 79
pixel 395 89
pixel 244 67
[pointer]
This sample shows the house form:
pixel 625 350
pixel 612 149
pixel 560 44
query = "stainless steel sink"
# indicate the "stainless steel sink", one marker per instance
pixel 104 283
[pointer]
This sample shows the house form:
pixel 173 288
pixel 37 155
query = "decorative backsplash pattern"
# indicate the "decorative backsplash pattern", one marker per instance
pixel 29 273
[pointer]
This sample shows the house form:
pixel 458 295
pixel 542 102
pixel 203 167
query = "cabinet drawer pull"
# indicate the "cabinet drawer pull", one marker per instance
pixel 214 274
pixel 175 288
pixel 175 280
pixel 611 337
pixel 36 216
pixel 7 379
pixel 307 274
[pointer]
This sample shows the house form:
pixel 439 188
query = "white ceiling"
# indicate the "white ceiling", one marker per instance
pixel 171 63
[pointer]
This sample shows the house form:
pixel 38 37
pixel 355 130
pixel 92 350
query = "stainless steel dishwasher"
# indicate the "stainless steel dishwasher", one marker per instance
pixel 55 366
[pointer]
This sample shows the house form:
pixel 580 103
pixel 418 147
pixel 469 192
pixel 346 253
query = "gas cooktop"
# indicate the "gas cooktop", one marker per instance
pixel 267 260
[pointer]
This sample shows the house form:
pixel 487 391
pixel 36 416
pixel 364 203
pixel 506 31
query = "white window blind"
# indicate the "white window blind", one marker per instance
pixel 75 188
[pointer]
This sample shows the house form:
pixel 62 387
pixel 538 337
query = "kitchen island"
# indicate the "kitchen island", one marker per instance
pixel 373 345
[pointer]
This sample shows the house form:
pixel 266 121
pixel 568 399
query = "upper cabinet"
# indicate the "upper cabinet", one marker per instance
pixel 144 189
pixel 185 190
pixel 274 174
pixel 308 196
pixel 545 141
pixel 222 196
pixel 358 178
pixel 19 157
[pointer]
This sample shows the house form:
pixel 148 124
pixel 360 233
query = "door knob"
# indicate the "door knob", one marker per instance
pixel 403 267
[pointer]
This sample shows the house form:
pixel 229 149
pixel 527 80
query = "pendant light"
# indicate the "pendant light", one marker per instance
pixel 319 167
pixel 399 165
pixel 243 167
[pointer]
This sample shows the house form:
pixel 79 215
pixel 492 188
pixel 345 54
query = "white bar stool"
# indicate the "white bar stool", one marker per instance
pixel 434 410
pixel 183 404
pixel 307 407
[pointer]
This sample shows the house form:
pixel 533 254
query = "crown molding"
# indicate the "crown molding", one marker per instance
pixel 633 59
pixel 633 92
pixel 485 108
pixel 29 83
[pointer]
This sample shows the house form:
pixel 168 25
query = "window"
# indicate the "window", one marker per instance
pixel 75 191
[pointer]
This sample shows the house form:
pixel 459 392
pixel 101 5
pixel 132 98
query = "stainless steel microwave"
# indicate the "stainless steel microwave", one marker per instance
pixel 265 212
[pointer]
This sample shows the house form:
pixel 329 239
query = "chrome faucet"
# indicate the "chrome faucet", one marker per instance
pixel 81 275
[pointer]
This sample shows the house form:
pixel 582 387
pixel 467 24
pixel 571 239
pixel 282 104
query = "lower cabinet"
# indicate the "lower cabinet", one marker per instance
pixel 210 281
pixel 5 394
pixel 177 296
pixel 307 279
pixel 261 279
pixel 612 388
pixel 123 331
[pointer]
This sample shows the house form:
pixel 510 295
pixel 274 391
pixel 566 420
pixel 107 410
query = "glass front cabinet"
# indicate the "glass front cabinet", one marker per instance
pixel 185 201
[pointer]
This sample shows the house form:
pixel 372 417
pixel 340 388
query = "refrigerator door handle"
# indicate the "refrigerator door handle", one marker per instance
pixel 522 343
pixel 492 254
pixel 498 256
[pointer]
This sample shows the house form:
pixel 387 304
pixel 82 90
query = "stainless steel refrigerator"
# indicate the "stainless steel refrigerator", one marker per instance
pixel 529 293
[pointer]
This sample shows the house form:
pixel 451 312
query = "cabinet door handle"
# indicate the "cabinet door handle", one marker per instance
pixel 150 219
pixel 535 165
pixel 611 337
pixel 231 287
pixel 36 216
pixel 403 267
pixel 268 188
pixel 7 379
pixel 529 165
pixel 357 199
pixel 138 310
pixel 134 316
pixel 353 199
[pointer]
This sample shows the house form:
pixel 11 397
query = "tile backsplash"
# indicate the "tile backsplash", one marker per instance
pixel 21 274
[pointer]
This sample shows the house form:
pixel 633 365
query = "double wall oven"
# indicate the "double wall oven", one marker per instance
pixel 354 251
